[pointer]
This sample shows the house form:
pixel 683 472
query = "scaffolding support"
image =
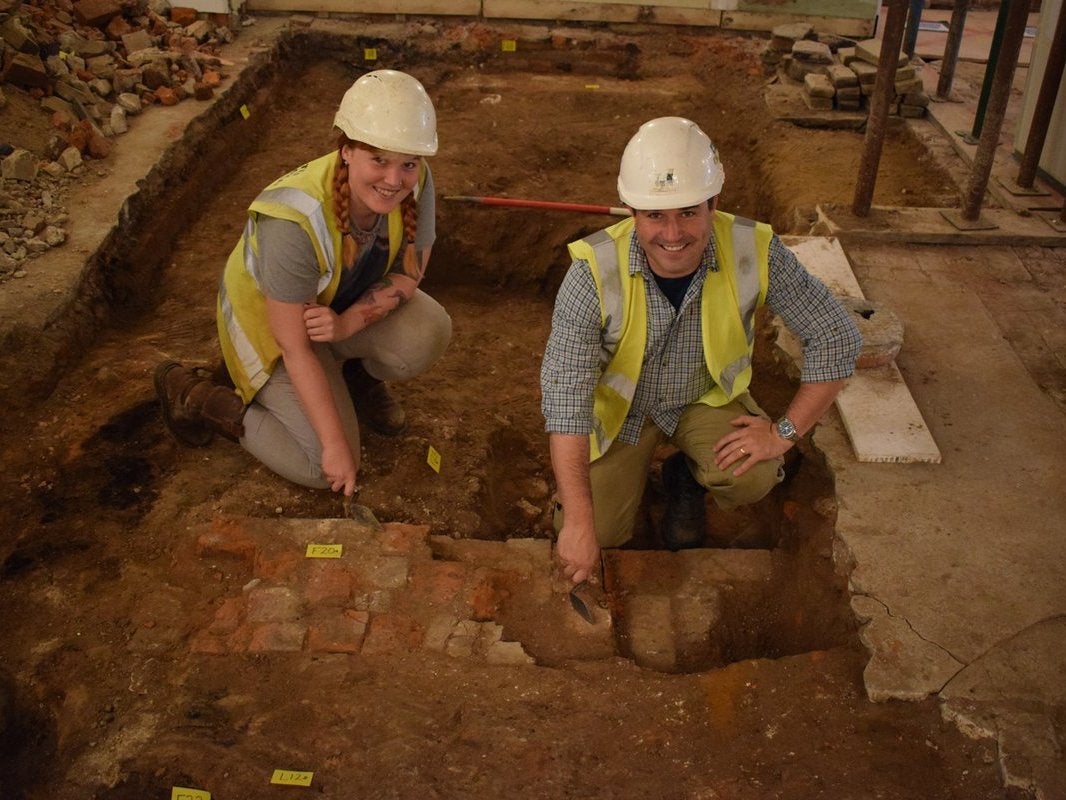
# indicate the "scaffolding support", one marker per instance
pixel 993 63
pixel 1045 104
pixel 951 49
pixel 981 169
pixel 884 90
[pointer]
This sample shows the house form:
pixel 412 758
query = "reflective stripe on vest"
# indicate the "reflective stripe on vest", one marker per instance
pixel 302 196
pixel 739 259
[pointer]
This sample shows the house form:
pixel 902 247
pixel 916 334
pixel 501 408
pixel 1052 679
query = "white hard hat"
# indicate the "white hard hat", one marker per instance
pixel 389 110
pixel 669 163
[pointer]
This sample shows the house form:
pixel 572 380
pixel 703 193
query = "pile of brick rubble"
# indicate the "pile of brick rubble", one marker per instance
pixel 839 74
pixel 91 65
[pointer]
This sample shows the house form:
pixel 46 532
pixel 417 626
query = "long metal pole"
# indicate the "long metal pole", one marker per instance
pixel 914 19
pixel 1013 33
pixel 550 205
pixel 1045 104
pixel 884 90
pixel 993 62
pixel 951 49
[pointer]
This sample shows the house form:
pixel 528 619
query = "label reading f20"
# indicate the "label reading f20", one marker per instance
pixel 324 550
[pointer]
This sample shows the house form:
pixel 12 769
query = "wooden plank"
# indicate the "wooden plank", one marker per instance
pixel 752 21
pixel 878 411
pixel 678 12
pixel 441 7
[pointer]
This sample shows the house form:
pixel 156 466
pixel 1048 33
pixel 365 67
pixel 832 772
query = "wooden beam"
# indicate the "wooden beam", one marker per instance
pixel 471 8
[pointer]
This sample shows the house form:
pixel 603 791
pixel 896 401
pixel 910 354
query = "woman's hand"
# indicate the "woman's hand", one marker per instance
pixel 323 324
pixel 339 468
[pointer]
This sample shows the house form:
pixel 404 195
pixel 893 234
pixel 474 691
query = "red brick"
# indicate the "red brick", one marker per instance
pixel 273 604
pixel 98 146
pixel 438 581
pixel 183 16
pixel 227 616
pixel 226 538
pixel 279 566
pixel 96 13
pixel 398 538
pixel 117 28
pixel 328 584
pixel 487 596
pixel 391 633
pixel 166 96
pixel 277 637
pixel 337 633
pixel 27 71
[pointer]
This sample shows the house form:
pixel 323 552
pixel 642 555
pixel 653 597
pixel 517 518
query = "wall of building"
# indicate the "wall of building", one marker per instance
pixel 845 17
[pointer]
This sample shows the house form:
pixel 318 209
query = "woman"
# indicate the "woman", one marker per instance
pixel 319 302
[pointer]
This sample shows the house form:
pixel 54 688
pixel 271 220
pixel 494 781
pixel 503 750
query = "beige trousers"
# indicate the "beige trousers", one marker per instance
pixel 619 476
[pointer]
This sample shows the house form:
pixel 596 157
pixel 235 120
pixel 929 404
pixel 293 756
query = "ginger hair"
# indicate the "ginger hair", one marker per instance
pixel 342 198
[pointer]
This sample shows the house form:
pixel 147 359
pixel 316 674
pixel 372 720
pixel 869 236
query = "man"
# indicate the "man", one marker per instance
pixel 651 341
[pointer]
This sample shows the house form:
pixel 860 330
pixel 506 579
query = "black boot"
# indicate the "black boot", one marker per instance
pixel 684 524
pixel 194 407
pixel 373 402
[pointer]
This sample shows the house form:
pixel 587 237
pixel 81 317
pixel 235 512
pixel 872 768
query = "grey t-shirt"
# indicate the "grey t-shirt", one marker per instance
pixel 288 269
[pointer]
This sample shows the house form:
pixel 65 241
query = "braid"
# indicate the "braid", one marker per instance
pixel 409 208
pixel 341 195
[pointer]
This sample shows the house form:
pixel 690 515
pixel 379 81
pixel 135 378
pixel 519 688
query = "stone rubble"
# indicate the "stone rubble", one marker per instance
pixel 839 74
pixel 92 65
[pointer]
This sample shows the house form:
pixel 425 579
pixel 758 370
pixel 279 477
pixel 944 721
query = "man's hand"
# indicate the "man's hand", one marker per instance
pixel 578 553
pixel 754 440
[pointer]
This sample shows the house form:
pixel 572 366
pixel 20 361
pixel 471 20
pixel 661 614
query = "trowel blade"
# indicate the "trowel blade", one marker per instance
pixel 579 604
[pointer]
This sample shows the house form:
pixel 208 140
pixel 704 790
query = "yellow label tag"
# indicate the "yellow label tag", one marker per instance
pixel 509 45
pixel 181 793
pixel 433 459
pixel 370 54
pixel 63 54
pixel 324 550
pixel 245 112
pixel 287 777
pixel 592 86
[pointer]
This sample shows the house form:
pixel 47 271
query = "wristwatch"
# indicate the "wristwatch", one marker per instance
pixel 786 430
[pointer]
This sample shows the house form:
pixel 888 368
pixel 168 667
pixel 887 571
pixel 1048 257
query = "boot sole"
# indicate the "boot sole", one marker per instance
pixel 192 436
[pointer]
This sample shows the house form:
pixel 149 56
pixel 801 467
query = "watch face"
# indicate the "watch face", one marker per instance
pixel 786 429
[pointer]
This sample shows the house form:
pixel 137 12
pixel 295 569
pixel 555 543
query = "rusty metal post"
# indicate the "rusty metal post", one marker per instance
pixel 981 169
pixel 1045 104
pixel 884 90
pixel 951 48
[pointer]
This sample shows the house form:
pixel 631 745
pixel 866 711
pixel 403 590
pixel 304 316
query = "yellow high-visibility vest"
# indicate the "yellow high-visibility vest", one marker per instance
pixel 303 196
pixel 729 300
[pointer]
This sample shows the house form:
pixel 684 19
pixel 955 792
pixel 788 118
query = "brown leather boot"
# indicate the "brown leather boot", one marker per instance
pixel 194 407
pixel 373 402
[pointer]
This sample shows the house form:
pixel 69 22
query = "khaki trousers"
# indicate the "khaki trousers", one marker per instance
pixel 404 344
pixel 619 476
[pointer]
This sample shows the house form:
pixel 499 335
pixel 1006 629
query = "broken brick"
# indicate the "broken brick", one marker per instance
pixel 182 15
pixel 96 13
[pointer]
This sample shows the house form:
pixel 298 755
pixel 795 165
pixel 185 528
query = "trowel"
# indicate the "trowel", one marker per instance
pixel 580 601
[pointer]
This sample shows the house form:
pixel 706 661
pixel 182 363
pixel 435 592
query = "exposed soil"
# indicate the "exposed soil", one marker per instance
pixel 97 500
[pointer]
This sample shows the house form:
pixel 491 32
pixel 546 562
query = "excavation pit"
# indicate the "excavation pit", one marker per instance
pixel 418 723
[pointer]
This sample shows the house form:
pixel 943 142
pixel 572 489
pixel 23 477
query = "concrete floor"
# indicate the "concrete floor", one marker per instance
pixel 958 568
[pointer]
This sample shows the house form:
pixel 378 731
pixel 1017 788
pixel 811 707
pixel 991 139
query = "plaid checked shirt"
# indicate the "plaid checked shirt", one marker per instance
pixel 674 373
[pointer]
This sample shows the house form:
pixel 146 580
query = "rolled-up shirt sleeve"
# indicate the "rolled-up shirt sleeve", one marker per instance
pixel 572 357
pixel 830 338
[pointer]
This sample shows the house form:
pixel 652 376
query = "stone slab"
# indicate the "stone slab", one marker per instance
pixel 876 407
